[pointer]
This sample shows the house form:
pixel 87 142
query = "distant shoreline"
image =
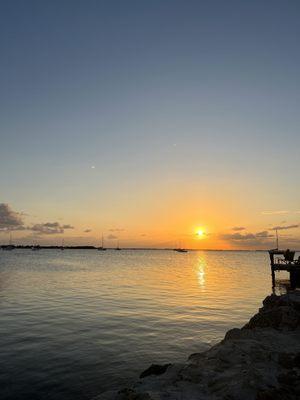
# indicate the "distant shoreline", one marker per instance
pixel 29 247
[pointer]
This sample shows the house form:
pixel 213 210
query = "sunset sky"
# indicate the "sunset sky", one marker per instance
pixel 149 121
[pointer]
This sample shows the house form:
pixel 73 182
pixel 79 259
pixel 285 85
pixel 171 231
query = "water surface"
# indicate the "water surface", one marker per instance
pixel 74 323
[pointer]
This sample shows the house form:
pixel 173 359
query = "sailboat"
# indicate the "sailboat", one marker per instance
pixel 10 246
pixel 62 247
pixel 180 249
pixel 118 247
pixel 102 248
pixel 36 247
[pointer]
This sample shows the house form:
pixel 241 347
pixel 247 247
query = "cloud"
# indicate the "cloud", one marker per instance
pixel 116 230
pixel 68 226
pixel 239 237
pixel 111 237
pixel 49 228
pixel 87 230
pixel 238 228
pixel 275 212
pixel 10 219
pixel 263 234
pixel 283 228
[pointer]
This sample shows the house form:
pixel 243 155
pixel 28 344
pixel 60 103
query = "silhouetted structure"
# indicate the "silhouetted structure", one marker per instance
pixel 283 260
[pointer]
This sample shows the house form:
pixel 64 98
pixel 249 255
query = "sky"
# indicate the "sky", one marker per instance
pixel 149 122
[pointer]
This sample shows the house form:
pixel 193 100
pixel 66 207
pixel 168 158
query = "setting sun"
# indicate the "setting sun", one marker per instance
pixel 200 233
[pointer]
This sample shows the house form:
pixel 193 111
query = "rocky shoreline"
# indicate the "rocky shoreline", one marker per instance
pixel 260 361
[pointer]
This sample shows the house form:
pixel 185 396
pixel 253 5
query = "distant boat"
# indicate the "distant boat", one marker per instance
pixel 118 247
pixel 62 247
pixel 181 250
pixel 102 248
pixel 10 246
pixel 35 248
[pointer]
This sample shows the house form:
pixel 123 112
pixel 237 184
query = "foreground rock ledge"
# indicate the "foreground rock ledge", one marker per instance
pixel 261 361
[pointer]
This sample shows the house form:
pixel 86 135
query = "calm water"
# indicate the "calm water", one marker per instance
pixel 75 323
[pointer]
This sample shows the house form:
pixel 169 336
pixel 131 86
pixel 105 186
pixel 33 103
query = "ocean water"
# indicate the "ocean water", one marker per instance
pixel 75 323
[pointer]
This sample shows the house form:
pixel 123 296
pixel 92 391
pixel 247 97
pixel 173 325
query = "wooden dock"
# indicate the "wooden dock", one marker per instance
pixel 283 260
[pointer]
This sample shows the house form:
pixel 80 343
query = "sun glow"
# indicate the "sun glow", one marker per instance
pixel 200 233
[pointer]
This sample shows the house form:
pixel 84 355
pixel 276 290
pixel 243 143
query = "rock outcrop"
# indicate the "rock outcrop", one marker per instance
pixel 260 361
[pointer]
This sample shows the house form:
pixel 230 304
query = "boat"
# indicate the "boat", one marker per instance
pixel 9 246
pixel 62 247
pixel 102 248
pixel 118 247
pixel 35 247
pixel 181 250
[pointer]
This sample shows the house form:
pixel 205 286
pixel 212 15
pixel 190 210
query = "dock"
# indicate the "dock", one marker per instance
pixel 284 260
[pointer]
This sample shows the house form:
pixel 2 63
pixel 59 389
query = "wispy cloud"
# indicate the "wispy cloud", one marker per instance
pixel 116 230
pixel 112 237
pixel 87 230
pixel 283 228
pixel 279 212
pixel 239 237
pixel 238 228
pixel 49 228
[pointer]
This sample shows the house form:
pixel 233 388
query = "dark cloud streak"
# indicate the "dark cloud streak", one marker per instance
pixel 283 228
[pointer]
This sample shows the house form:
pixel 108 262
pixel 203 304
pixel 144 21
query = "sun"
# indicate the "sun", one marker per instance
pixel 200 233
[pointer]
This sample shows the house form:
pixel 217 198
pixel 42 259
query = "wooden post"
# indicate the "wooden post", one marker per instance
pixel 273 276
pixel 272 268
pixel 295 277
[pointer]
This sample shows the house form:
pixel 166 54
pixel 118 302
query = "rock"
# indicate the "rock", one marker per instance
pixel 286 360
pixel 282 317
pixel 270 394
pixel 297 360
pixel 234 333
pixel 154 369
pixel 130 394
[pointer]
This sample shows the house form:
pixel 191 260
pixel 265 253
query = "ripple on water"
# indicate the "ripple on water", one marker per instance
pixel 75 323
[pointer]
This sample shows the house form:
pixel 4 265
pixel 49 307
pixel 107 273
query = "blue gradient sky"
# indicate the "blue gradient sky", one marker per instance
pixel 179 105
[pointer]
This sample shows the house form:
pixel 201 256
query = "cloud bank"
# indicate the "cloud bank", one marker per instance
pixel 11 220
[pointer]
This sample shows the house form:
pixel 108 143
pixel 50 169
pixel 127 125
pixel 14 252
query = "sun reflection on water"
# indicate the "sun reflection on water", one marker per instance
pixel 201 273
